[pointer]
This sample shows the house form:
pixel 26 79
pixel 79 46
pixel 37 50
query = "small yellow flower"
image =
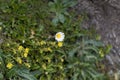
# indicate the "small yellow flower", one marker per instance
pixel 28 65
pixel 26 50
pixel 49 49
pixel 20 48
pixel 19 60
pixel 42 43
pixel 59 36
pixel 25 54
pixel 9 65
pixel 60 44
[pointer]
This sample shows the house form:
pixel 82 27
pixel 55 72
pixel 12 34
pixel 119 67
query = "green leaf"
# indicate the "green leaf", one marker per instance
pixel 26 74
pixel 75 76
pixel 1 76
pixel 36 72
pixel 2 66
pixel 56 1
pixel 41 27
pixel 95 43
pixel 72 52
pixel 83 74
pixel 61 18
pixel 11 73
pixel 92 57
pixel 108 48
pixel 66 13
pixel 55 21
pixel 50 3
pixel 91 48
pixel 1 23
pixel 52 6
pixel 68 3
pixel 74 35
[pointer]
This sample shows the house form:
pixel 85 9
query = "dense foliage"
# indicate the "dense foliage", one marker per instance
pixel 30 51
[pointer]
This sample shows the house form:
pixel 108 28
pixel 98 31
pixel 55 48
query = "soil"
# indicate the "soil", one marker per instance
pixel 104 16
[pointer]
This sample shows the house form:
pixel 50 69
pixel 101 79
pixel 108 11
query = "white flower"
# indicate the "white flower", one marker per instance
pixel 59 36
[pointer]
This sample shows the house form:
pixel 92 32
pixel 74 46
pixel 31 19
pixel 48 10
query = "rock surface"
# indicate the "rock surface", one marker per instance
pixel 104 15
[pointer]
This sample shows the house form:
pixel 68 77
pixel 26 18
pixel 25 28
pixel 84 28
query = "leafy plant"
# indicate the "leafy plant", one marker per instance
pixel 60 8
pixel 32 49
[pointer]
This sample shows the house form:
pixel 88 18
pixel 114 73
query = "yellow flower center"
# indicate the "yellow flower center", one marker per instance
pixel 58 35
